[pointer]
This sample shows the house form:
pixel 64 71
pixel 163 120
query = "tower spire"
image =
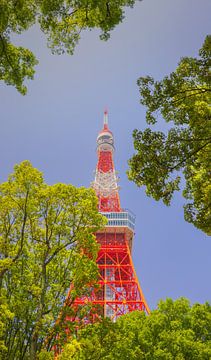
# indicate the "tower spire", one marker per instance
pixel 105 183
pixel 105 119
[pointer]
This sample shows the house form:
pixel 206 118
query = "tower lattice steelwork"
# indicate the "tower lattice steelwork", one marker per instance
pixel 119 290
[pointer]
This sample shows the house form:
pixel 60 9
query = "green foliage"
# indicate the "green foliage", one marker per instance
pixel 71 350
pixel 46 355
pixel 175 331
pixel 94 342
pixel 61 20
pixel 46 244
pixel 5 316
pixel 182 98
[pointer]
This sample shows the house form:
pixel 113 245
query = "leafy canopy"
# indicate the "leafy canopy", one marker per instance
pixel 46 245
pixel 61 20
pixel 183 100
pixel 175 331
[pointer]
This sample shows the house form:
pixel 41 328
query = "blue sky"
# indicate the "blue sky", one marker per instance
pixel 56 124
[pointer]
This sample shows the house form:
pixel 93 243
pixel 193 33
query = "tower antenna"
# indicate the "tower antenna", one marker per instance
pixel 105 118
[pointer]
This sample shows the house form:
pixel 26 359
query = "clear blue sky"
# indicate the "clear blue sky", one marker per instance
pixel 55 126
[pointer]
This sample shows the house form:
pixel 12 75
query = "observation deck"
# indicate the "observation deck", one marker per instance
pixel 123 218
pixel 121 222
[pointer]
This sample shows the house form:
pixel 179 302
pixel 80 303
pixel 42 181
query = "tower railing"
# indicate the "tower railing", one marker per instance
pixel 123 218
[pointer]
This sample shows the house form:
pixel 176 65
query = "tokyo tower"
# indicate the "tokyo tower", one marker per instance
pixel 119 291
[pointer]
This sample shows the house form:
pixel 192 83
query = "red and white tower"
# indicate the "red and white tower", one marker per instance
pixel 119 290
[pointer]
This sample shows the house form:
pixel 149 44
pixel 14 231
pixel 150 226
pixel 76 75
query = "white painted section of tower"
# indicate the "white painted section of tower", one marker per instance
pixel 109 293
pixel 105 118
pixel 105 184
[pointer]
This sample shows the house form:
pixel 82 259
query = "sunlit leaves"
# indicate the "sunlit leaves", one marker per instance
pixel 175 330
pixel 16 65
pixel 46 244
pixel 61 20
pixel 183 100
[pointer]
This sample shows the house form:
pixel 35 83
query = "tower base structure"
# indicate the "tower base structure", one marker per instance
pixel 118 289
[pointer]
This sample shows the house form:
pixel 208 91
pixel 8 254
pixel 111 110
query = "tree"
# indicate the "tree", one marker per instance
pixel 61 20
pixel 182 99
pixel 174 331
pixel 46 244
